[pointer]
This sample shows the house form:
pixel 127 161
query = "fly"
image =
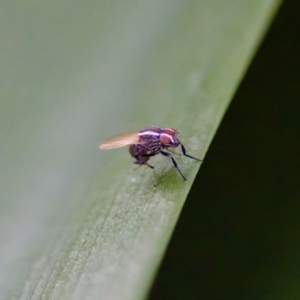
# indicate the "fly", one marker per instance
pixel 148 142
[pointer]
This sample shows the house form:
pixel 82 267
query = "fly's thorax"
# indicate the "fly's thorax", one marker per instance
pixel 152 133
pixel 149 139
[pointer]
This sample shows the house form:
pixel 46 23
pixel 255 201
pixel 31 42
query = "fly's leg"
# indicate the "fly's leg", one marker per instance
pixel 187 155
pixel 174 163
pixel 173 152
pixel 142 160
pixel 155 178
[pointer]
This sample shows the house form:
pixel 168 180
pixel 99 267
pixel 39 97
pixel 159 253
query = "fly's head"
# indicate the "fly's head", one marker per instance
pixel 168 138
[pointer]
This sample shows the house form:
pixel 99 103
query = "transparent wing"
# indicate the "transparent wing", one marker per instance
pixel 120 141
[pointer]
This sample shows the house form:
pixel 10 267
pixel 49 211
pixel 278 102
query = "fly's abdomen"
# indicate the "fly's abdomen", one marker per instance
pixel 140 153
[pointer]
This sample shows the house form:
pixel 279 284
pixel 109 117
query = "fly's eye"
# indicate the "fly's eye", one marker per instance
pixel 166 139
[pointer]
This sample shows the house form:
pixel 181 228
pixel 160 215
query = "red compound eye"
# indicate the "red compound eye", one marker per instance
pixel 171 131
pixel 166 139
pixel 169 137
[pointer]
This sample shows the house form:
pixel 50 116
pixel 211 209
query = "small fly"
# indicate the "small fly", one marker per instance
pixel 148 142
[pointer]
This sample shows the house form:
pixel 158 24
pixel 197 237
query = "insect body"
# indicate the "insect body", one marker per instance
pixel 148 142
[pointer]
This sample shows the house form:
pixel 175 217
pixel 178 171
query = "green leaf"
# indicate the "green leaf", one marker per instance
pixel 77 223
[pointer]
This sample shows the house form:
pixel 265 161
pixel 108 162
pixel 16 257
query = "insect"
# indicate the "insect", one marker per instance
pixel 148 142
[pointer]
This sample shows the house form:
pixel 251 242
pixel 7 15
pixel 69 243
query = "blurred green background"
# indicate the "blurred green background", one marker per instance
pixel 73 73
pixel 238 236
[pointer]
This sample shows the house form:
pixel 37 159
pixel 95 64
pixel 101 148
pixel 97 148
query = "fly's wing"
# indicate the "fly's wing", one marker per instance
pixel 120 141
